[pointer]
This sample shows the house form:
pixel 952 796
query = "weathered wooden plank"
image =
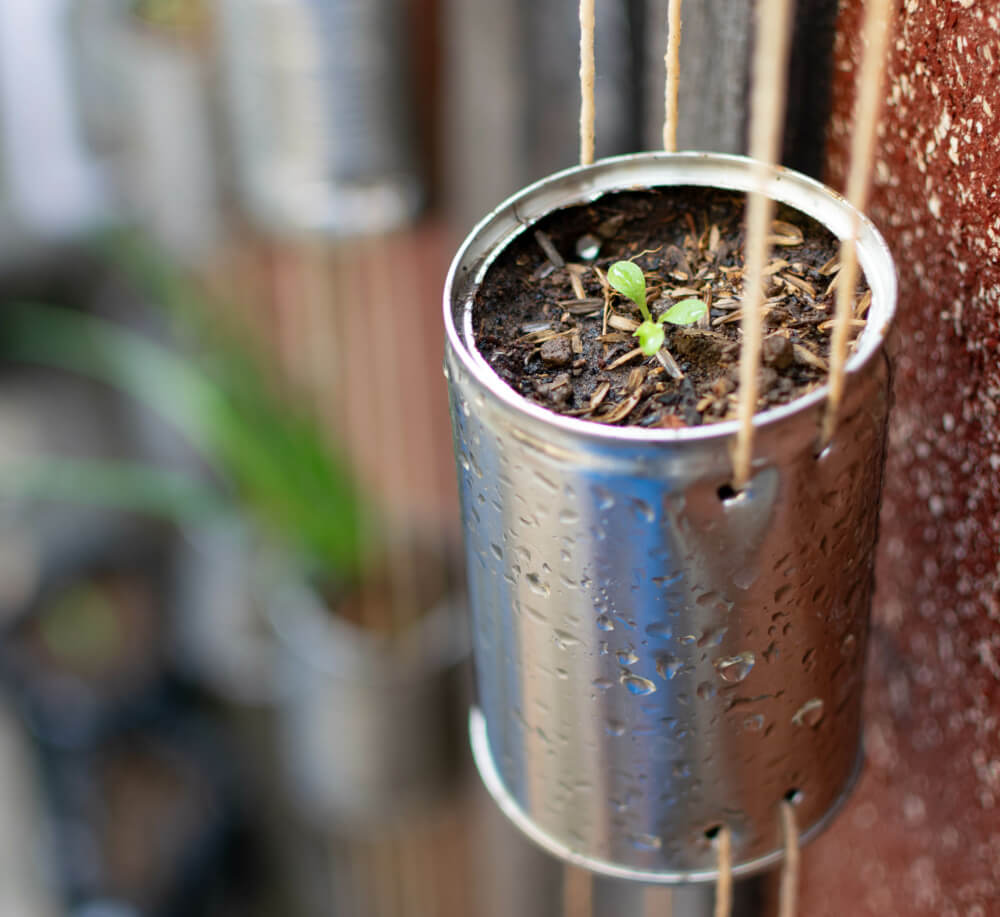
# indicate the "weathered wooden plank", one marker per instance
pixel 512 95
pixel 714 60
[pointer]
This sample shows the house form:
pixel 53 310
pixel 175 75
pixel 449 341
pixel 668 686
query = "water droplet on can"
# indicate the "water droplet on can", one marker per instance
pixel 660 630
pixel 536 585
pixel 606 499
pixel 734 669
pixel 810 713
pixel 615 728
pixel 646 842
pixel 706 690
pixel 627 656
pixel 636 684
pixel 548 484
pixel 667 666
pixel 564 640
pixel 642 511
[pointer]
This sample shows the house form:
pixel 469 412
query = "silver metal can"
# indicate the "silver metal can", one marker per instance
pixel 655 658
pixel 320 109
pixel 370 725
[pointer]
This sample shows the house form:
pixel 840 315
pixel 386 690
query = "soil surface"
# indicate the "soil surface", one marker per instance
pixel 552 329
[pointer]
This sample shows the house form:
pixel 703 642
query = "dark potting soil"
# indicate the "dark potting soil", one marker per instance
pixel 551 328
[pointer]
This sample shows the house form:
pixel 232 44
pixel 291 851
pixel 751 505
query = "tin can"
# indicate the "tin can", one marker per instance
pixel 320 113
pixel 369 724
pixel 655 656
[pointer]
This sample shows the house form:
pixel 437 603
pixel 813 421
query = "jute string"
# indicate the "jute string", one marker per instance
pixel 724 885
pixel 671 61
pixel 788 896
pixel 875 36
pixel 767 107
pixel 587 106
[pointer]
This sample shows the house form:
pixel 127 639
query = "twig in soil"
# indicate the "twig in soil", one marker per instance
pixel 587 308
pixel 598 395
pixel 620 411
pixel 831 267
pixel 542 335
pixel 635 379
pixel 705 321
pixel 622 322
pixel 607 301
pixel 574 271
pixel 805 355
pixel 803 286
pixel 737 314
pixel 851 323
pixel 625 358
pixel 783 233
pixel 667 361
pixel 546 245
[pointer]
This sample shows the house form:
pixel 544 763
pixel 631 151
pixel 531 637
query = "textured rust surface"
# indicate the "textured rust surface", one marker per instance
pixel 922 834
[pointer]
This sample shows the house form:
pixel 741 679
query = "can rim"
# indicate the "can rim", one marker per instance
pixel 584 184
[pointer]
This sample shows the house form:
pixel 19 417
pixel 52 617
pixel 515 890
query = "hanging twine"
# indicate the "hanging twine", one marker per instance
pixel 875 37
pixel 587 106
pixel 767 107
pixel 671 61
pixel 788 896
pixel 724 885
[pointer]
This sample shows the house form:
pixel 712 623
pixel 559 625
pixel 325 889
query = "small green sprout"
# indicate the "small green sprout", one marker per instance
pixel 627 278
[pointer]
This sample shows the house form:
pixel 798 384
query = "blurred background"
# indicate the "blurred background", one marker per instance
pixel 233 660
pixel 233 665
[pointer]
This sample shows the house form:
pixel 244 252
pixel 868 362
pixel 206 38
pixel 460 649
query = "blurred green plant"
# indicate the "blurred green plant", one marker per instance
pixel 271 458
pixel 174 15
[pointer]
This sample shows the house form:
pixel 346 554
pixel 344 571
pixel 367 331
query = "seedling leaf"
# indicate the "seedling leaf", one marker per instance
pixel 627 278
pixel 684 312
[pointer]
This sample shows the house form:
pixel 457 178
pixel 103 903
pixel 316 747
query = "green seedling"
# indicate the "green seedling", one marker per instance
pixel 627 278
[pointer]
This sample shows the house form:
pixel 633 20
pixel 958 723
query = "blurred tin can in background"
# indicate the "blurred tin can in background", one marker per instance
pixel 320 113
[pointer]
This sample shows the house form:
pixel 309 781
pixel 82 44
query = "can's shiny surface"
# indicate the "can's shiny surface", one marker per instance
pixel 653 659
